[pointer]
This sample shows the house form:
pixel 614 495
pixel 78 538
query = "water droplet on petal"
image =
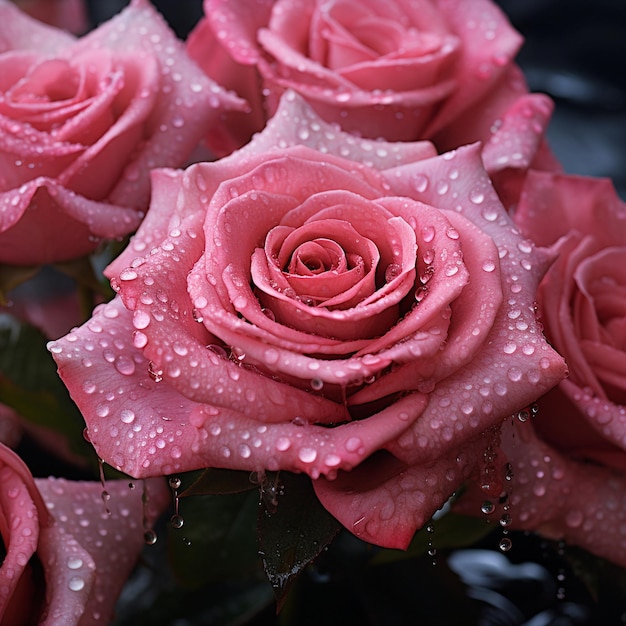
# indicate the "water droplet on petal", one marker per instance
pixel 307 455
pixel 76 583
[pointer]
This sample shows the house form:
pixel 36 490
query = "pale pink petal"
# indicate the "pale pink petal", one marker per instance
pixel 505 375
pixel 243 20
pixel 305 128
pixel 25 33
pixel 489 44
pixel 89 555
pixel 22 515
pixel 183 88
pixel 552 205
pixel 19 529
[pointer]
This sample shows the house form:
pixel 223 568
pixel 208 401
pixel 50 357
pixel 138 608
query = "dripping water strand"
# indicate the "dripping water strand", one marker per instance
pixel 560 576
pixel 105 495
pixel 432 550
pixel 149 536
pixel 506 520
pixel 176 521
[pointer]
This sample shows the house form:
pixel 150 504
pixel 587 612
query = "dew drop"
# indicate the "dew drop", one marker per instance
pixel 505 544
pixel 141 320
pixel 74 562
pixel 176 521
pixel 128 274
pixel 124 365
pixel 150 537
pixel 283 444
pixel 420 182
pixel 487 507
pixel 307 455
pixel 477 197
pixel 155 374
pixel 317 384
pixel 393 270
pixel 428 233
pixel 76 583
pixel 353 444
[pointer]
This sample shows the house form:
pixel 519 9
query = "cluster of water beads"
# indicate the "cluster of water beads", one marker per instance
pixel 527 413
pixel 488 508
pixel 270 488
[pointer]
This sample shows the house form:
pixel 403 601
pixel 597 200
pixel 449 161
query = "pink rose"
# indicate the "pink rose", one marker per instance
pixel 364 318
pixel 428 69
pixel 570 464
pixel 582 303
pixel 82 121
pixel 555 494
pixel 66 14
pixel 66 557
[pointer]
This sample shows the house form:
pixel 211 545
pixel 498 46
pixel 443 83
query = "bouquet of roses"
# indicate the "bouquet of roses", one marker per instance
pixel 311 282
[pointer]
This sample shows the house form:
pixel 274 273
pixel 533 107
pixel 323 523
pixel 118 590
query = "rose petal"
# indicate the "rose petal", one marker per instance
pixel 57 223
pixel 560 498
pixel 18 528
pixel 518 370
pixel 553 205
pixel 384 501
pixel 89 558
pixel 147 34
pixel 144 429
pixel 26 33
pixel 309 130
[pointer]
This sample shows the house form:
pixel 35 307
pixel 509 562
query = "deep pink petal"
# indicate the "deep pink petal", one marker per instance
pixel 384 501
pixel 43 222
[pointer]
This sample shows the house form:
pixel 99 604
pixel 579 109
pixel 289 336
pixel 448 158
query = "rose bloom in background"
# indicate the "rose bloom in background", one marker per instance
pixel 433 69
pixel 67 551
pixel 82 122
pixel 291 308
pixel 68 15
pixel 570 465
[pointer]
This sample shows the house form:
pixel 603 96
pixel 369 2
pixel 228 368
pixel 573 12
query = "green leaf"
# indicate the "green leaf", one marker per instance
pixel 29 383
pixel 81 270
pixel 214 481
pixel 293 529
pixel 11 277
pixel 217 540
